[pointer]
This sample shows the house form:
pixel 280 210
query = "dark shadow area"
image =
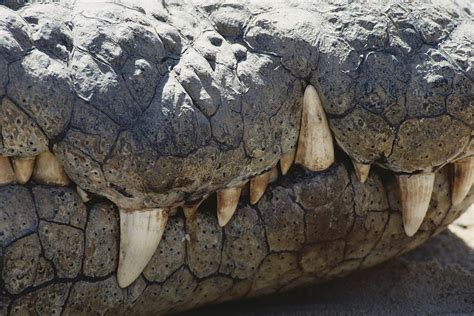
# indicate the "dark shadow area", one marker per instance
pixel 13 4
pixel 438 277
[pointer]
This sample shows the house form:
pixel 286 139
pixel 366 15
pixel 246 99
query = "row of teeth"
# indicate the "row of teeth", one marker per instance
pixel 44 168
pixel 141 230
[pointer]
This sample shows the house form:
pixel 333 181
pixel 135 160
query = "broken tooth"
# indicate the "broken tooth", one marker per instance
pixel 463 177
pixel 273 174
pixel 7 175
pixel 287 160
pixel 48 170
pixel 258 185
pixel 315 144
pixel 227 200
pixel 362 171
pixel 140 235
pixel 415 194
pixel 23 169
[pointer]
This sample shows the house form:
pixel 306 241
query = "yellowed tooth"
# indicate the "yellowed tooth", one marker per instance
pixel 227 200
pixel 362 171
pixel 7 175
pixel 415 195
pixel 463 178
pixel 258 185
pixel 173 211
pixel 190 210
pixel 48 170
pixel 287 160
pixel 315 144
pixel 85 197
pixel 140 235
pixel 273 174
pixel 23 169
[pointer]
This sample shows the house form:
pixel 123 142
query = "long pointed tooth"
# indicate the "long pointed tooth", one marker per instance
pixel 287 160
pixel 415 194
pixel 463 179
pixel 48 170
pixel 273 174
pixel 227 200
pixel 140 235
pixel 315 144
pixel 362 171
pixel 85 197
pixel 258 185
pixel 7 175
pixel 23 169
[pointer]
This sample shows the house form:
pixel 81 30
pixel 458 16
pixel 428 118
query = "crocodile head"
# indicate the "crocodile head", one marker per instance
pixel 347 130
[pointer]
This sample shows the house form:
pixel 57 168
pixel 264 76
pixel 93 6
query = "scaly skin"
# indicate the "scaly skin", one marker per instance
pixel 162 104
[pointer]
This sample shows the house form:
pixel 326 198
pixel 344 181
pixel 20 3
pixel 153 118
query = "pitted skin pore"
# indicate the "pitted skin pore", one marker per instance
pixel 152 105
pixel 61 256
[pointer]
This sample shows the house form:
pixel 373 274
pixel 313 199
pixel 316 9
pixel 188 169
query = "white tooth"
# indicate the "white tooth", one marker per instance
pixel 273 174
pixel 23 169
pixel 7 175
pixel 315 144
pixel 287 160
pixel 85 197
pixel 140 235
pixel 415 194
pixel 48 170
pixel 463 177
pixel 362 171
pixel 258 185
pixel 227 200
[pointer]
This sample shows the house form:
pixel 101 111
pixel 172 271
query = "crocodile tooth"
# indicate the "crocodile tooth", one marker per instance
pixel 85 197
pixel 190 210
pixel 463 177
pixel 315 144
pixel 415 194
pixel 362 171
pixel 287 160
pixel 227 200
pixel 173 211
pixel 273 174
pixel 48 170
pixel 140 235
pixel 258 185
pixel 7 175
pixel 23 169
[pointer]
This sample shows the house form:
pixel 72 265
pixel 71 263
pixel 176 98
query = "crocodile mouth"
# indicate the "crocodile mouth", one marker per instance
pixel 248 148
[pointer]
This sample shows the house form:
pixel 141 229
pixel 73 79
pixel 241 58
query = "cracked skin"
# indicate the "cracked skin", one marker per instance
pixel 159 105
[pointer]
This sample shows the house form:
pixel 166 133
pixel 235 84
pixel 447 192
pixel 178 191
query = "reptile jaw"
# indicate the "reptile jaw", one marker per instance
pixel 136 109
pixel 141 230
